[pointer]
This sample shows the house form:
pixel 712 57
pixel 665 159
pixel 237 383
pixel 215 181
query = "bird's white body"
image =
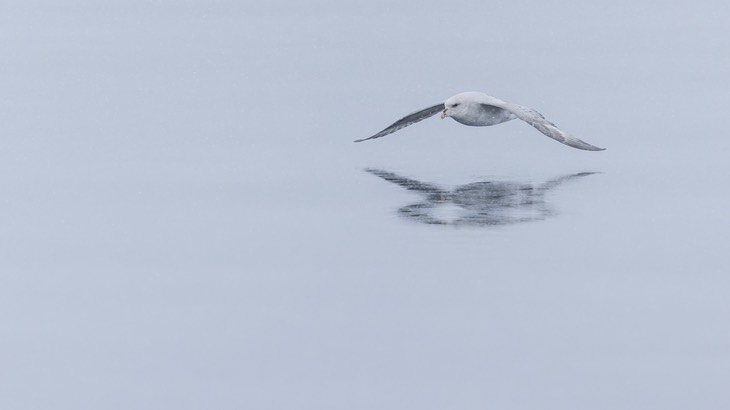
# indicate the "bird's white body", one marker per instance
pixel 473 108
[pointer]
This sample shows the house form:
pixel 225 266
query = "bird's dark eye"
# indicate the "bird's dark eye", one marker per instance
pixel 455 105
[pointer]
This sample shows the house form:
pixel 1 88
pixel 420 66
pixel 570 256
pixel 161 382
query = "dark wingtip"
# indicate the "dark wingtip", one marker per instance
pixel 365 139
pixel 592 148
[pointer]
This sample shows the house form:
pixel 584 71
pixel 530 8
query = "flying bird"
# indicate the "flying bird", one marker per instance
pixel 479 110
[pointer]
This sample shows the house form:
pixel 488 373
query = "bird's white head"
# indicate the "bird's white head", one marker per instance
pixel 458 105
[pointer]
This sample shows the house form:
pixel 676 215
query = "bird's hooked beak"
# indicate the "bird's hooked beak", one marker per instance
pixel 443 114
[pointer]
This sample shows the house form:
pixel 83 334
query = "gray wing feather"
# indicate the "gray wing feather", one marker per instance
pixel 546 127
pixel 408 120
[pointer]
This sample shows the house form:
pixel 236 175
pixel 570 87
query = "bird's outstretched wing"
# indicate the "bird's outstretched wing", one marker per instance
pixel 546 127
pixel 408 120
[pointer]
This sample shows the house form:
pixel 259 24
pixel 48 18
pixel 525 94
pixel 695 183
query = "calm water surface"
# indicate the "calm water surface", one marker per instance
pixel 186 222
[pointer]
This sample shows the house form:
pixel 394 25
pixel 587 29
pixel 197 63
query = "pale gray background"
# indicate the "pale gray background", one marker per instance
pixel 185 222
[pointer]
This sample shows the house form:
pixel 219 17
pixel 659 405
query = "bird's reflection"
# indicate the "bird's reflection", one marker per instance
pixel 484 203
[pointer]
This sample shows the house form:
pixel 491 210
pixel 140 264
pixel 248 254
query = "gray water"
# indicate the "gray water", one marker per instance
pixel 186 223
